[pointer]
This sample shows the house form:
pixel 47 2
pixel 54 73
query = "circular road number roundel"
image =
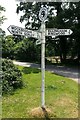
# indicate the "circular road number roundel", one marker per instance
pixel 43 14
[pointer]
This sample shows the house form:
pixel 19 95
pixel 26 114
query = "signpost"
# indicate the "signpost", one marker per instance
pixel 42 16
pixel 40 35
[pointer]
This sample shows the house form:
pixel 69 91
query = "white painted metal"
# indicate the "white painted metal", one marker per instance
pixel 38 42
pixel 24 32
pixel 58 32
pixel 43 14
pixel 43 64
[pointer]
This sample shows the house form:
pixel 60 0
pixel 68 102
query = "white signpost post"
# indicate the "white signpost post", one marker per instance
pixel 49 32
pixel 42 16
pixel 40 35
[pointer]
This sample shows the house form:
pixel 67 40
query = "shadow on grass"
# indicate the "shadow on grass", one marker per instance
pixel 27 70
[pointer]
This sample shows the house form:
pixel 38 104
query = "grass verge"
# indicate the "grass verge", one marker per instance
pixel 61 95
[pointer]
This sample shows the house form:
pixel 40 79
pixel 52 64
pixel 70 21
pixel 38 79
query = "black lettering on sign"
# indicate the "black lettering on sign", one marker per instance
pixel 56 32
pixel 65 30
pixel 28 33
pixel 61 32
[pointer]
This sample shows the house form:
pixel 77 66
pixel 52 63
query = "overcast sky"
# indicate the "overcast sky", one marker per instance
pixel 10 14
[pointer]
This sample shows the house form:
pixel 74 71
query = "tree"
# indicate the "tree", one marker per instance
pixel 26 50
pixel 2 33
pixel 31 11
pixel 67 16
pixel 8 47
pixel 72 19
pixel 2 18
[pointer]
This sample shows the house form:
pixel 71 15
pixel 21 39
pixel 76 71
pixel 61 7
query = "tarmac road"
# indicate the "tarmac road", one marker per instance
pixel 72 73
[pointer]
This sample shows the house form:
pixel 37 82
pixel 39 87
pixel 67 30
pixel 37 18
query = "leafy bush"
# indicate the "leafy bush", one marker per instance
pixel 26 50
pixel 23 50
pixel 11 77
pixel 8 47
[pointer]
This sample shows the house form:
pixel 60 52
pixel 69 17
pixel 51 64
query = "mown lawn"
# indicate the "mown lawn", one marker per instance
pixel 61 96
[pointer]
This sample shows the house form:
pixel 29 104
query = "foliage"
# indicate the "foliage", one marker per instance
pixel 2 33
pixel 2 18
pixel 24 49
pixel 8 47
pixel 11 77
pixel 67 17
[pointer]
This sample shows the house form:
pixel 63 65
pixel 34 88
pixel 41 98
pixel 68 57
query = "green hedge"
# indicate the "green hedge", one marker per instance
pixel 11 77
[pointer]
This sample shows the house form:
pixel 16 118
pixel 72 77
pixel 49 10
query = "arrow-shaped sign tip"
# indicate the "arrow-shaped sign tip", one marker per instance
pixel 71 32
pixel 9 29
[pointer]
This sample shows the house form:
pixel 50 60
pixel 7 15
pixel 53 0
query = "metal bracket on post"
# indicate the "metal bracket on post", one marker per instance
pixel 38 42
